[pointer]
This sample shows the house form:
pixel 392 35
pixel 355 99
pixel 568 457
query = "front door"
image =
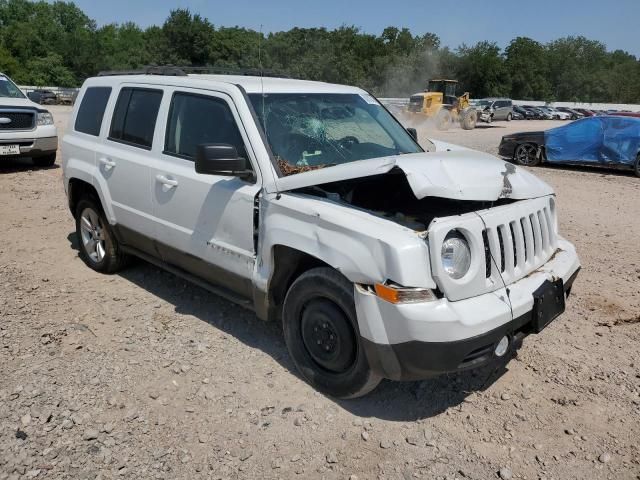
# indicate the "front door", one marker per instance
pixel 204 223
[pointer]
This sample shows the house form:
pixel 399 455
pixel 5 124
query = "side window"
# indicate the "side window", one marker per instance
pixel 91 110
pixel 197 119
pixel 135 115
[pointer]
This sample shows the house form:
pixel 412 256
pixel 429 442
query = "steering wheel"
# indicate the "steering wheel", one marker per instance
pixel 348 142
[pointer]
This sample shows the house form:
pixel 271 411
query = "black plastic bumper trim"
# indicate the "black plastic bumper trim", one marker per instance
pixel 417 360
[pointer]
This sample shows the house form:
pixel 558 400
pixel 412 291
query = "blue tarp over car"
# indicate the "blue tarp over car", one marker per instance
pixel 595 140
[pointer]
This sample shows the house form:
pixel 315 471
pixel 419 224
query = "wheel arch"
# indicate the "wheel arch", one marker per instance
pixel 79 189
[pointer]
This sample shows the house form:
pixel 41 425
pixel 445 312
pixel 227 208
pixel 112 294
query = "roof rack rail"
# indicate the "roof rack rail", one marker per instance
pixel 253 72
pixel 168 70
pixel 172 70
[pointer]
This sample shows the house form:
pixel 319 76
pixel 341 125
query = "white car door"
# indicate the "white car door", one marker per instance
pixel 204 223
pixel 123 159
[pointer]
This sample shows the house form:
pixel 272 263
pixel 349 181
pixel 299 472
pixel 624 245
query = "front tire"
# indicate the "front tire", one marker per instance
pixel 509 117
pixel 98 246
pixel 527 154
pixel 45 161
pixel 321 332
pixel 637 167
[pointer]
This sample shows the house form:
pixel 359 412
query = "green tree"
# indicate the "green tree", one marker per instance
pixel 481 70
pixel 526 64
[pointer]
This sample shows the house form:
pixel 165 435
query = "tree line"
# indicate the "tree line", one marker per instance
pixel 56 43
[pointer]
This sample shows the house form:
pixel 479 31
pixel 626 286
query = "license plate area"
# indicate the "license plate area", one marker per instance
pixel 548 303
pixel 9 149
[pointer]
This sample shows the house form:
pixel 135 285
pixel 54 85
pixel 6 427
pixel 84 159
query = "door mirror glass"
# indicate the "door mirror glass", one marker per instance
pixel 221 159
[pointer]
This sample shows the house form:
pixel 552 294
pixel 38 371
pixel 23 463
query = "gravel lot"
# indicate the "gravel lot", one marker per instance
pixel 141 375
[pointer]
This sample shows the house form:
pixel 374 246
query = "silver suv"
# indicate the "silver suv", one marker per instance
pixel 311 205
pixel 498 108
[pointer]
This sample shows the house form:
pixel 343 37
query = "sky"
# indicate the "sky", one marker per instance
pixel 613 22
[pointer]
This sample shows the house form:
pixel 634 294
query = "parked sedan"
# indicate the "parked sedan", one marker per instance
pixel 540 114
pixel 43 97
pixel 527 114
pixel 609 141
pixel 586 112
pixel 574 114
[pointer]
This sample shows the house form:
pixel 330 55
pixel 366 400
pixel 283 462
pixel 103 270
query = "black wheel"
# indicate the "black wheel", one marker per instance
pixel 98 246
pixel 509 117
pixel 637 167
pixel 527 154
pixel 321 332
pixel 45 161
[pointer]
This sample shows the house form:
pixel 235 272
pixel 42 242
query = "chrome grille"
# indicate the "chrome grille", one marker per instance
pixel 17 119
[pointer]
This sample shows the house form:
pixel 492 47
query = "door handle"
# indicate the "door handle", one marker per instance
pixel 167 182
pixel 107 162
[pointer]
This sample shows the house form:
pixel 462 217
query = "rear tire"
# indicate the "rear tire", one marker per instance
pixel 321 332
pixel 45 161
pixel 509 117
pixel 637 167
pixel 527 154
pixel 98 246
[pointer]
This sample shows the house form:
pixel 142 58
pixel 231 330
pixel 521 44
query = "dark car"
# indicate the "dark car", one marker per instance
pixel 627 114
pixel 575 115
pixel 43 97
pixel 540 113
pixel 609 141
pixel 527 114
pixel 586 112
pixel 535 113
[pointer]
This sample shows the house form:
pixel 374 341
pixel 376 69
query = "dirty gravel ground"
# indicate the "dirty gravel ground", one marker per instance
pixel 141 375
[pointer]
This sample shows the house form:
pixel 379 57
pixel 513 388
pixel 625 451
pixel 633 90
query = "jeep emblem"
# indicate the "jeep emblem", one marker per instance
pixel 5 121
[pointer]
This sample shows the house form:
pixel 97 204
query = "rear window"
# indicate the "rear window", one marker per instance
pixel 91 111
pixel 135 115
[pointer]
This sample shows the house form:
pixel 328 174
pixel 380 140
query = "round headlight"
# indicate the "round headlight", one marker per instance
pixel 456 255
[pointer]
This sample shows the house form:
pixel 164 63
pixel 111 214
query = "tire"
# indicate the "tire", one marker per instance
pixel 490 118
pixel 98 246
pixel 443 119
pixel 322 335
pixel 469 118
pixel 509 117
pixel 45 161
pixel 637 167
pixel 526 154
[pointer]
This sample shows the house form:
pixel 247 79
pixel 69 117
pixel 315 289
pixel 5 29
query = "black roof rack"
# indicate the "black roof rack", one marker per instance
pixel 172 70
pixel 168 70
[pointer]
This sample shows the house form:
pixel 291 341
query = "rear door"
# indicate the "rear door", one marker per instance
pixel 123 159
pixel 205 223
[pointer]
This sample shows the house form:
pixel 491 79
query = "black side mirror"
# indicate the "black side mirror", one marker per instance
pixel 221 159
pixel 413 132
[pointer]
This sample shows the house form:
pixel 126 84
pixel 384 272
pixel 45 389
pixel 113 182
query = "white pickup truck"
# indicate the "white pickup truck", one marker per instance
pixel 26 129
pixel 310 204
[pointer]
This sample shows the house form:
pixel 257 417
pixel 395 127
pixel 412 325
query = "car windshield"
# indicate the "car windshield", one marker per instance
pixel 9 89
pixel 307 131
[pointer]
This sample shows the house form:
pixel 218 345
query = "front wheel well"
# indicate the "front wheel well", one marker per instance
pixel 289 264
pixel 79 189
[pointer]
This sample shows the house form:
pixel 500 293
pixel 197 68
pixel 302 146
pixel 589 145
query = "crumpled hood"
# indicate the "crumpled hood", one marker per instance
pixel 457 174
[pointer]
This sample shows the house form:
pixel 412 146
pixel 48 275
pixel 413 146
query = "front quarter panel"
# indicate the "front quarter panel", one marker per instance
pixel 364 248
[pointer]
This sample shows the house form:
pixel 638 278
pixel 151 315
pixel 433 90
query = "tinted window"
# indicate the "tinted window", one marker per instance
pixel 135 115
pixel 91 111
pixel 195 119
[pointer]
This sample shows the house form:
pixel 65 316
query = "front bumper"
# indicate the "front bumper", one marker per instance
pixel 32 147
pixel 420 340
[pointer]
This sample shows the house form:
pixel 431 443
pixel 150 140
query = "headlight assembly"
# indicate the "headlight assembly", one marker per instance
pixel 456 255
pixel 44 118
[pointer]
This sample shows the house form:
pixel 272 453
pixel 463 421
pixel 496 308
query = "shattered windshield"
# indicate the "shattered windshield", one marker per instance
pixel 311 131
pixel 9 89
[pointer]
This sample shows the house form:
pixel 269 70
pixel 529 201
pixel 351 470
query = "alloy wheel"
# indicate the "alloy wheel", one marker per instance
pixel 92 233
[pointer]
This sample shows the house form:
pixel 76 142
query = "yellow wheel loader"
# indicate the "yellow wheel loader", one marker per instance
pixel 439 101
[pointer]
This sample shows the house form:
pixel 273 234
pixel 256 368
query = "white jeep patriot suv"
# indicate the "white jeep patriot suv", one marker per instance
pixel 310 204
pixel 26 129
